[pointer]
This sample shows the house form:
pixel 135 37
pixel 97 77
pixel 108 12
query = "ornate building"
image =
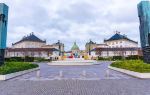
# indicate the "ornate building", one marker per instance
pixel 75 50
pixel 32 46
pixel 119 41
pixel 90 46
pixel 30 41
pixel 117 45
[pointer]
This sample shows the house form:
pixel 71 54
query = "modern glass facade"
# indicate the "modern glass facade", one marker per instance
pixel 3 25
pixel 144 17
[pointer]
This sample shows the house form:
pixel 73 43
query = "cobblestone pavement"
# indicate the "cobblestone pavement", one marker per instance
pixel 92 72
pixel 75 80
pixel 76 87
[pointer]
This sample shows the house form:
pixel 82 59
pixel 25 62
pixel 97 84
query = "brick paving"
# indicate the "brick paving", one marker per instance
pixel 76 87
pixel 93 72
pixel 75 80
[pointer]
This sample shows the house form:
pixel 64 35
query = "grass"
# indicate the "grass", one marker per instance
pixel 133 65
pixel 12 67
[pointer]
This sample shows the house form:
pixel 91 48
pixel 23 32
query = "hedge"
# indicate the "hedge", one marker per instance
pixel 11 67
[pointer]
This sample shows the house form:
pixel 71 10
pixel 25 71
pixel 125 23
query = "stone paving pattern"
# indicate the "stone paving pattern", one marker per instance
pixel 92 72
pixel 75 80
pixel 76 87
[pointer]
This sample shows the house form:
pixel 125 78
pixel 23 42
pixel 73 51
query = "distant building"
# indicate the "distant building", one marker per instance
pixel 90 46
pixel 75 50
pixel 117 45
pixel 144 17
pixel 29 41
pixel 32 46
pixel 120 41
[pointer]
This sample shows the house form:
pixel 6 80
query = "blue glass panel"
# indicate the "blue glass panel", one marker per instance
pixel 3 25
pixel 144 17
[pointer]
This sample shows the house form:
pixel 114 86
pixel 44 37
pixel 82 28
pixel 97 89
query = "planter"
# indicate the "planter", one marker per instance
pixel 132 73
pixel 12 75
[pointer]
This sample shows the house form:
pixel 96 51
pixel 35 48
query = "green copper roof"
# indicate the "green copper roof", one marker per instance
pixel 75 46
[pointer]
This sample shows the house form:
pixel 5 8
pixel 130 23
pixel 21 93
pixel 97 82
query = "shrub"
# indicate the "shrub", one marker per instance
pixel 29 59
pixel 104 59
pixel 133 65
pixel 134 57
pixel 117 58
pixel 14 59
pixel 38 59
pixel 11 67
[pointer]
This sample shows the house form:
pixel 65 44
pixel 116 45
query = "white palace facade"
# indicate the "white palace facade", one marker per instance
pixel 117 45
pixel 32 46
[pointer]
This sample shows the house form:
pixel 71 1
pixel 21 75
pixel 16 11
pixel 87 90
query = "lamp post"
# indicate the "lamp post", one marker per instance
pixel 59 47
pixel 3 30
pixel 89 48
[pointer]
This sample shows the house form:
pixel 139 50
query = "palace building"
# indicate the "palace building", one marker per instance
pixel 33 46
pixel 117 45
pixel 119 41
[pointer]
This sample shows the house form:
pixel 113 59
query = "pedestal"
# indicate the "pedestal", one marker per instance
pixel 146 54
pixel 2 53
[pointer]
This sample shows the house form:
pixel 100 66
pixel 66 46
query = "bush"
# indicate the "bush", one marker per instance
pixel 133 65
pixel 14 59
pixel 29 59
pixel 20 59
pixel 117 58
pixel 11 67
pixel 134 57
pixel 104 59
pixel 38 59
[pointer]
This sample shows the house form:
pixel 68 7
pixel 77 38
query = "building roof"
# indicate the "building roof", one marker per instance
pixel 58 43
pixel 75 47
pixel 118 36
pixel 117 49
pixel 30 49
pixel 31 37
pixel 90 42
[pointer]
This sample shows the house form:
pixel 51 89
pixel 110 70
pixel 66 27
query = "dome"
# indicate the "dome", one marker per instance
pixel 75 47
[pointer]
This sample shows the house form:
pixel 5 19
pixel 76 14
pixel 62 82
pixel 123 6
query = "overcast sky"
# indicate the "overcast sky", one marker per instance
pixel 72 20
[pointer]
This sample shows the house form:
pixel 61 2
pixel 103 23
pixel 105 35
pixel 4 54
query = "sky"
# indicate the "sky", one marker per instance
pixel 72 20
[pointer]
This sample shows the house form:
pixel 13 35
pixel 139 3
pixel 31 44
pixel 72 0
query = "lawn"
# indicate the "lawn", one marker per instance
pixel 132 65
pixel 11 67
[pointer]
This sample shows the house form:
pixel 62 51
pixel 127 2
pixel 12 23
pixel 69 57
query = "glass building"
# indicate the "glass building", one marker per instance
pixel 144 17
pixel 3 25
pixel 3 30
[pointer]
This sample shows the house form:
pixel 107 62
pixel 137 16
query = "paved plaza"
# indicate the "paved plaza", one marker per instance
pixel 75 80
pixel 92 72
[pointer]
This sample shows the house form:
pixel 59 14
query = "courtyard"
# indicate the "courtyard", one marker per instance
pixel 75 80
pixel 92 72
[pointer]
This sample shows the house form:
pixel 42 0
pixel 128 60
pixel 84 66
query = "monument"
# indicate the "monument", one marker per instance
pixel 3 30
pixel 74 58
pixel 144 17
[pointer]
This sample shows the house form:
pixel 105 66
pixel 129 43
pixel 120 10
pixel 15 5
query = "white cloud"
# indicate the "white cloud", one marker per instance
pixel 72 20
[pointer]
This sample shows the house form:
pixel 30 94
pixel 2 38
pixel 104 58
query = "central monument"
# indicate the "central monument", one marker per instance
pixel 3 30
pixel 73 57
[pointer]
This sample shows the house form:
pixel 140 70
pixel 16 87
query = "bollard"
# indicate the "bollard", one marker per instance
pixel 84 73
pixel 38 74
pixel 107 73
pixel 61 74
